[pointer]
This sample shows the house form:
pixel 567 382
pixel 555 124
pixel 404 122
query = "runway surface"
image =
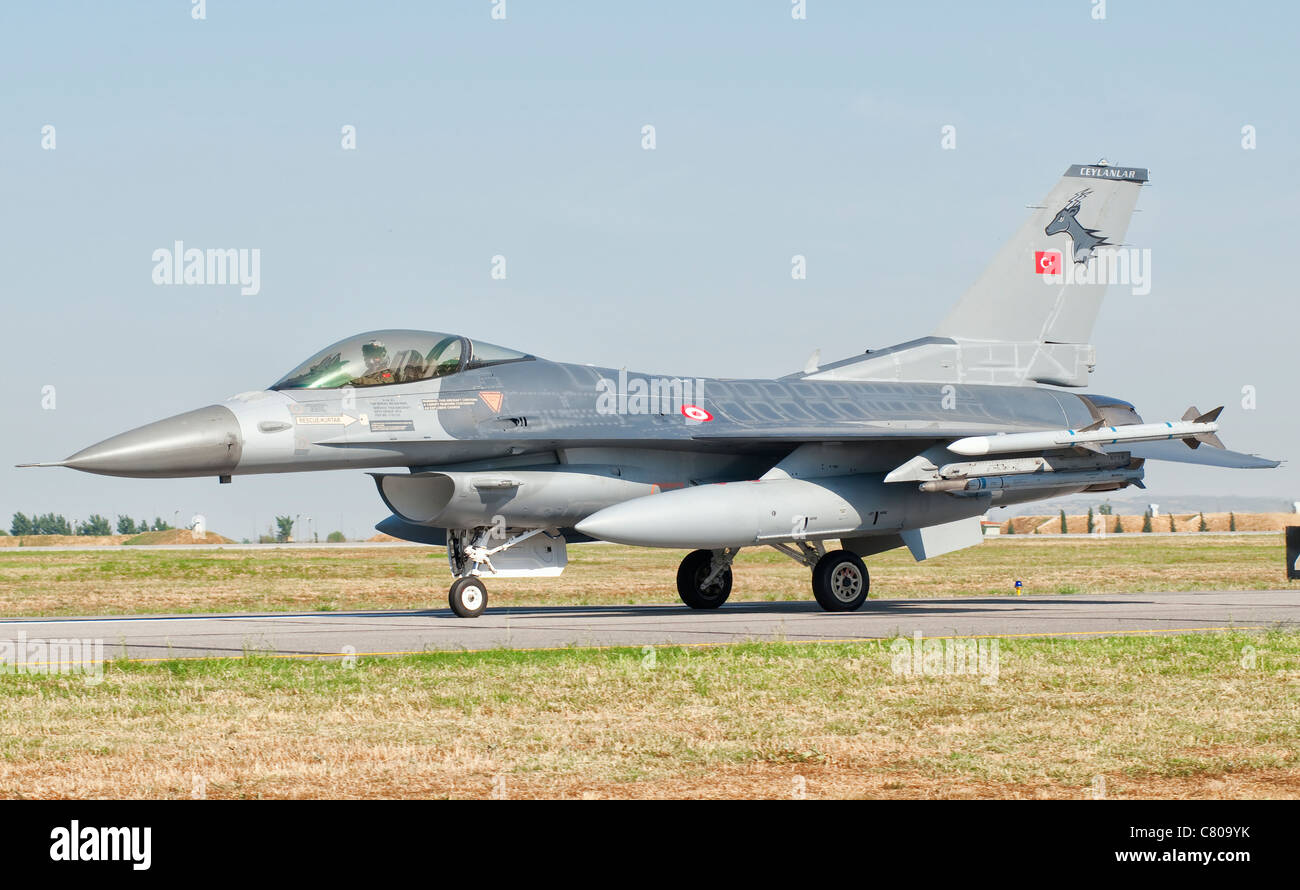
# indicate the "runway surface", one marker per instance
pixel 325 634
pixel 1100 535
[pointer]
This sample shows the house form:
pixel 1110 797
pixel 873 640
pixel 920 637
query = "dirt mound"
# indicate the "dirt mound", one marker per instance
pixel 382 538
pixel 178 536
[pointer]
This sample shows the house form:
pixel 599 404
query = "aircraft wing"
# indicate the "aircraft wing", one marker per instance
pixel 1174 450
pixel 856 432
pixel 976 439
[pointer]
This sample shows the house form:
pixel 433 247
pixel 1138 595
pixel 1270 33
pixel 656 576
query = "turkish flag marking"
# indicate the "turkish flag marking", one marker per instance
pixel 1047 262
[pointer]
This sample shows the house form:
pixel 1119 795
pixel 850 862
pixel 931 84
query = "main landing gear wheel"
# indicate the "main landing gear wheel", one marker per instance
pixel 468 597
pixel 840 581
pixel 691 575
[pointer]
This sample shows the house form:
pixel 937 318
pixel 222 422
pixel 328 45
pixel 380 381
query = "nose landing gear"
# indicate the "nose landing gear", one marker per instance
pixel 468 596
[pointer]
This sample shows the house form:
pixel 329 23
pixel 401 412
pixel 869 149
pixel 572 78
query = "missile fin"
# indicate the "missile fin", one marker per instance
pixel 918 469
pixel 1191 413
pixel 1210 439
pixel 1210 416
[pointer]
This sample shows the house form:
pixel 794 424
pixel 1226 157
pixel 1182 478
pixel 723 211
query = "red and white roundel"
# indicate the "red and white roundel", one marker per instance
pixel 695 412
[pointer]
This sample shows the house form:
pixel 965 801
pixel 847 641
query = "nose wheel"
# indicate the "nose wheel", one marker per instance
pixel 468 596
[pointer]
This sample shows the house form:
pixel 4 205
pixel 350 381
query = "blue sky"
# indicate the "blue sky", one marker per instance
pixel 522 137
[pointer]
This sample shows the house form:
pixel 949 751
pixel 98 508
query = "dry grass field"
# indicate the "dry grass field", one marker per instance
pixel 224 580
pixel 1194 715
pixel 1197 715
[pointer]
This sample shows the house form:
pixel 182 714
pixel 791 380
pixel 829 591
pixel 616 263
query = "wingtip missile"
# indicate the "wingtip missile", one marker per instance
pixel 1093 437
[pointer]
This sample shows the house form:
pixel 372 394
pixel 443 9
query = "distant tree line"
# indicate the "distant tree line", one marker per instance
pixel 57 524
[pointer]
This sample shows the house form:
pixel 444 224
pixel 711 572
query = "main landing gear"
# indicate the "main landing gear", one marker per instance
pixel 704 578
pixel 840 580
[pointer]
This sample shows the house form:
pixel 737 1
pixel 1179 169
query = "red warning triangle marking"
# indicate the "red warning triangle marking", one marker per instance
pixel 491 399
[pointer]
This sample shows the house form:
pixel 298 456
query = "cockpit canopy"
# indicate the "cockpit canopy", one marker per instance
pixel 378 358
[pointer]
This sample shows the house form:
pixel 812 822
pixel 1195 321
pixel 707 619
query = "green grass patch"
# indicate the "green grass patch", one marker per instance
pixel 1210 714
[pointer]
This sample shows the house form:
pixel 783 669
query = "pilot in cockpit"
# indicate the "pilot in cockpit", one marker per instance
pixel 377 372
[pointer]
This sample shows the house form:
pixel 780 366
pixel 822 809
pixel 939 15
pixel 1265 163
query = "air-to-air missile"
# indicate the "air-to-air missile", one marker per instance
pixel 1193 429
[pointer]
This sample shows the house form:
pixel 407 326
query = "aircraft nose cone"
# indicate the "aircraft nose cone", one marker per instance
pixel 197 443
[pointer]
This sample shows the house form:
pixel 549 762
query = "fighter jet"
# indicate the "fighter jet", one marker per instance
pixel 504 457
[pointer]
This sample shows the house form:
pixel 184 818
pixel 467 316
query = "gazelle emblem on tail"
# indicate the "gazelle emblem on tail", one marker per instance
pixel 1066 220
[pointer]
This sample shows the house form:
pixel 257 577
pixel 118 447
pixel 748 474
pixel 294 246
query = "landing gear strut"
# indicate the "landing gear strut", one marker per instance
pixel 470 552
pixel 704 578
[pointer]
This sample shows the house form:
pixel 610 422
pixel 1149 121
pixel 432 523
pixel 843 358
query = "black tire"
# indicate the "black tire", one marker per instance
pixel 840 581
pixel 468 597
pixel 694 568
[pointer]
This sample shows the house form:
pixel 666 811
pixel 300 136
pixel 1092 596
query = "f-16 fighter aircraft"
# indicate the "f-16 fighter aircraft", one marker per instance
pixel 507 456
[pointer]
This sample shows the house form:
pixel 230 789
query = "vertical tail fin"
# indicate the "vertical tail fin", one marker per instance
pixel 1029 317
pixel 1027 293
